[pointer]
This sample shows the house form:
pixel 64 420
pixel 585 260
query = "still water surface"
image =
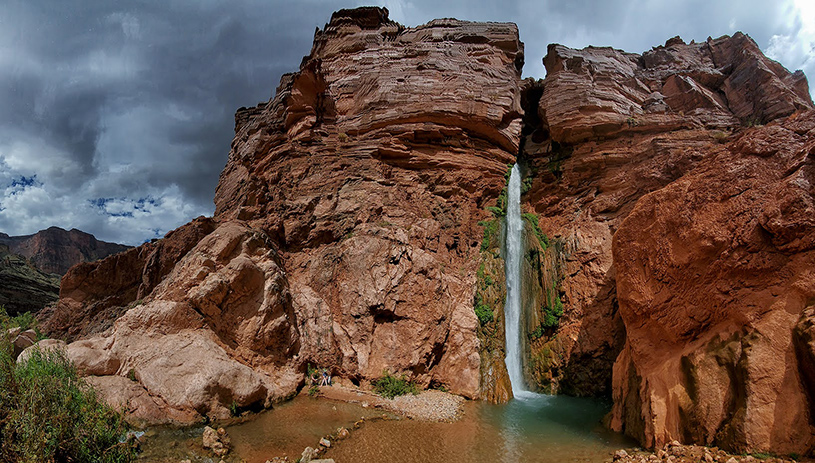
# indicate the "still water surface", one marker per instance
pixel 533 428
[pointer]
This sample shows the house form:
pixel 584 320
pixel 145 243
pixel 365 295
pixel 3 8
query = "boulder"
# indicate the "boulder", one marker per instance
pixel 24 340
pixel 43 345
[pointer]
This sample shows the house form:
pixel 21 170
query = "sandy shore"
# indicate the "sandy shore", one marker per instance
pixel 430 405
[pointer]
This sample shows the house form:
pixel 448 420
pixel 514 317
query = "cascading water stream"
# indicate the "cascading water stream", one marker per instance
pixel 512 308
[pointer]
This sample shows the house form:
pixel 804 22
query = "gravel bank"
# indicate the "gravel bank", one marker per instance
pixel 678 453
pixel 426 406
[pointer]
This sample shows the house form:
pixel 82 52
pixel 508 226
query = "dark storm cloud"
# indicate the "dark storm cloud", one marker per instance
pixel 132 100
pixel 123 111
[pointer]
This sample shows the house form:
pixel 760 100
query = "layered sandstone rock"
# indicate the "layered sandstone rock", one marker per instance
pixel 372 166
pixel 345 234
pixel 605 128
pixel 716 84
pixel 55 250
pixel 714 276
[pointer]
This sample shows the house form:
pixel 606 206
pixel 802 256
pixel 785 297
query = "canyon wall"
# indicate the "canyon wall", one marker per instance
pixel 358 227
pixel 31 265
pixel 55 250
pixel 684 239
pixel 345 236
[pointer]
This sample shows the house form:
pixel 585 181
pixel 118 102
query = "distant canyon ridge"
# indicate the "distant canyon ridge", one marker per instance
pixel 670 238
pixel 32 265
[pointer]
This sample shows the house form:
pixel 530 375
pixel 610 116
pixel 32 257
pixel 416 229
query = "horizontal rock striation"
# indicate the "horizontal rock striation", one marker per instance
pixel 55 250
pixel 716 84
pixel 345 234
pixel 371 167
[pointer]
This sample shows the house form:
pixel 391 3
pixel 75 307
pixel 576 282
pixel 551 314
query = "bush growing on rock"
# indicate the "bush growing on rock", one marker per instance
pixel 48 413
pixel 390 386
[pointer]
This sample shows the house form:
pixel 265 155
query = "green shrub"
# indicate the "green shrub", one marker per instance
pixel 551 315
pixel 390 386
pixel 482 311
pixel 25 321
pixel 48 413
pixel 526 185
pixel 234 409
pixel 491 234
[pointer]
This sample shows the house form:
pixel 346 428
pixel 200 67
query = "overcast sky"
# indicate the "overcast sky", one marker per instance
pixel 117 116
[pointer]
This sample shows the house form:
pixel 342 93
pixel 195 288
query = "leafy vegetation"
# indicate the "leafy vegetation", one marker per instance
pixel 492 229
pixel 48 413
pixel 24 321
pixel 390 386
pixel 532 219
pixel 526 185
pixel 552 313
pixel 482 310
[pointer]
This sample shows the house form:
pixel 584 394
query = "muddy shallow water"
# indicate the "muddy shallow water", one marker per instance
pixel 531 429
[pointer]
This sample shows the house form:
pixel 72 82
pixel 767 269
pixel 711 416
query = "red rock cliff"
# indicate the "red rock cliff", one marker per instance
pixel 683 239
pixel 55 250
pixel 345 233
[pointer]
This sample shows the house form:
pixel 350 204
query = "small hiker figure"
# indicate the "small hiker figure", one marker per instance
pixel 326 381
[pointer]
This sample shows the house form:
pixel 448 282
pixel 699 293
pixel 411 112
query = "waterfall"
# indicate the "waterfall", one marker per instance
pixel 512 308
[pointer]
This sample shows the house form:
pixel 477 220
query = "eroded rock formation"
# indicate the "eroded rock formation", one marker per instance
pixel 611 127
pixel 714 273
pixel 345 234
pixel 685 238
pixel 351 233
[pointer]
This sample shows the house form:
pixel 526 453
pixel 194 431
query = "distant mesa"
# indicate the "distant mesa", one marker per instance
pixel 31 265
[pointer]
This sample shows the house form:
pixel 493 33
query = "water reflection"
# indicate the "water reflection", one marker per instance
pixel 531 428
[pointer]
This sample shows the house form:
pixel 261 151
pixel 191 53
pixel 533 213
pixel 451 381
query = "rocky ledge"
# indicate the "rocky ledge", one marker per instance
pixel 674 452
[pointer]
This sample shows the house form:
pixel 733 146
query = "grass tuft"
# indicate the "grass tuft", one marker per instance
pixel 49 413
